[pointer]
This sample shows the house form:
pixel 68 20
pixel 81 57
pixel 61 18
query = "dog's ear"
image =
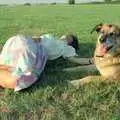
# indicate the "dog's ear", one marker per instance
pixel 97 28
pixel 110 25
pixel 118 31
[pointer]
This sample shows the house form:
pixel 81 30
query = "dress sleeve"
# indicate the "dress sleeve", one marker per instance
pixel 69 51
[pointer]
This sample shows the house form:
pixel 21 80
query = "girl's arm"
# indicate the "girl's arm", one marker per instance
pixel 80 61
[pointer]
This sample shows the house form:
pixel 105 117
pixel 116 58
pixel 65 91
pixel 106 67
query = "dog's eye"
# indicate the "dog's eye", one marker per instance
pixel 111 34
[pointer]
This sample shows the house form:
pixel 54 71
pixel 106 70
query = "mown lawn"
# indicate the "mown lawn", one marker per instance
pixel 52 98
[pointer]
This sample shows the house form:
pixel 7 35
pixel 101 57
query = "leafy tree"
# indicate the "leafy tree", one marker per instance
pixel 108 0
pixel 71 1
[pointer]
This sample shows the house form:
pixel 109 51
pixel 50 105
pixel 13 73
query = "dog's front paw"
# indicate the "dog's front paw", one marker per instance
pixel 82 81
pixel 77 83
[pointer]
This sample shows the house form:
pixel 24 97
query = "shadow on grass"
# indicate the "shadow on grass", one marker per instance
pixel 54 75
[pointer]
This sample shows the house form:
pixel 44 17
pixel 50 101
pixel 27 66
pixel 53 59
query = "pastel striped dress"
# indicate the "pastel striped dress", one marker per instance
pixel 26 58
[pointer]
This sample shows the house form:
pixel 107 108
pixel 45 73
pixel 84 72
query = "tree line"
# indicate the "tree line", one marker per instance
pixel 107 1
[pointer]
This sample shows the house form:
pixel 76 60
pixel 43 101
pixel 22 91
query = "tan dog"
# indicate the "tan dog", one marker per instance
pixel 107 54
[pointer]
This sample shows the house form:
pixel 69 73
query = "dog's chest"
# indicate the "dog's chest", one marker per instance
pixel 108 67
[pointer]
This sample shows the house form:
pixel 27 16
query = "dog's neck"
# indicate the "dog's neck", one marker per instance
pixel 107 61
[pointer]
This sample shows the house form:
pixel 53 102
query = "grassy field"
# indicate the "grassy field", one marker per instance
pixel 52 98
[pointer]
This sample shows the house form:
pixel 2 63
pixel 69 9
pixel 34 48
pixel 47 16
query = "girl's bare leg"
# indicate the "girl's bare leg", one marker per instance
pixel 6 79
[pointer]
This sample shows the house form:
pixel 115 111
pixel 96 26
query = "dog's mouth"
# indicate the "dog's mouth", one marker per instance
pixel 109 48
pixel 102 50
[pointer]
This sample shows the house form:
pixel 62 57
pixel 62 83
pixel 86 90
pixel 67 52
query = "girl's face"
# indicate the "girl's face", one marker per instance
pixel 69 39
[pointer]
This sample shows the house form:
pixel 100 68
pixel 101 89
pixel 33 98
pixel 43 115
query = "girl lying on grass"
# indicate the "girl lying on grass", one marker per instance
pixel 23 59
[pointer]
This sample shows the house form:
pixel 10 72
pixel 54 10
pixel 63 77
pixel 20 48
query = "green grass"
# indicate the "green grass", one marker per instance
pixel 52 98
